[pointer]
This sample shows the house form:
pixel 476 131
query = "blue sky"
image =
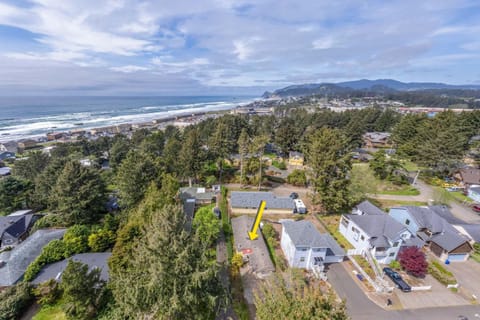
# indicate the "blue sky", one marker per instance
pixel 191 47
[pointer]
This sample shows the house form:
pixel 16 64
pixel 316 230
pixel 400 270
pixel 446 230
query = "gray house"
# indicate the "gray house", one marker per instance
pixel 14 228
pixel 248 202
pixel 14 263
pixel 443 239
pixel 304 246
pixel 93 260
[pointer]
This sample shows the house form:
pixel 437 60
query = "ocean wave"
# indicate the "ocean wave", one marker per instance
pixel 31 127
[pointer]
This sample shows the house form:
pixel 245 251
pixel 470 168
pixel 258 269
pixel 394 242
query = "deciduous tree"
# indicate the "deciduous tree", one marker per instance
pixel 413 260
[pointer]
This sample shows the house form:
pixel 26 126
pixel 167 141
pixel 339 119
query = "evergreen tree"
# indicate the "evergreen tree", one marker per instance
pixel 14 194
pixel 189 157
pixel 280 299
pixel 243 145
pixel 258 148
pixel 170 276
pixel 286 135
pixel 32 166
pixel 134 175
pixel 43 196
pixel 118 152
pixel 79 194
pixel 329 159
pixel 440 142
pixel 82 291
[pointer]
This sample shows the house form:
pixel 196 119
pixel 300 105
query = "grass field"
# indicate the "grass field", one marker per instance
pixel 405 191
pixel 386 204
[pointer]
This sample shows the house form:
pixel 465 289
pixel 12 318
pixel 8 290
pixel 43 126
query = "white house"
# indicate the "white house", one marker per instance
pixel 377 232
pixel 474 193
pixel 305 247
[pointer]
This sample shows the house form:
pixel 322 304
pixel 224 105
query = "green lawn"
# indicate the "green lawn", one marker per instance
pixel 54 312
pixel 331 222
pixel 459 196
pixel 364 181
pixel 406 191
pixel 385 204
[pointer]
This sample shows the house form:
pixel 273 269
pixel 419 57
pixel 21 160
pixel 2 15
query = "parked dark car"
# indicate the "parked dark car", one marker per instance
pixel 476 207
pixel 397 279
pixel 294 195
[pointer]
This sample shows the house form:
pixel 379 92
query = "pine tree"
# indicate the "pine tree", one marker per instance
pixel 79 194
pixel 329 159
pixel 134 176
pixel 189 157
pixel 82 290
pixel 243 144
pixel 292 299
pixel 170 276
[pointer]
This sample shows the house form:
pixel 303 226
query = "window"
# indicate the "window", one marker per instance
pixel 302 259
pixel 407 222
pixel 362 238
pixel 396 244
pixel 302 249
pixel 391 254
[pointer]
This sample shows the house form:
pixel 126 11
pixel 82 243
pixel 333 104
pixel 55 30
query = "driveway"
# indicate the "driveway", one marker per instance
pixel 359 307
pixel 439 296
pixel 467 274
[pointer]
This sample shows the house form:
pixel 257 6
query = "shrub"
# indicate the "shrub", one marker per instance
pixel 413 261
pixel 14 300
pixel 444 276
pixel 76 239
pixel 297 178
pixel 237 262
pixel 395 265
pixel 101 240
pixel 48 292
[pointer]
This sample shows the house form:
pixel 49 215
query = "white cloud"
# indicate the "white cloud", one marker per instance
pixel 218 42
pixel 323 43
pixel 129 68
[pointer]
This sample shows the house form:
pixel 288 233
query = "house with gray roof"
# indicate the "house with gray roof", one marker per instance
pixel 13 263
pixel 248 202
pixel 93 260
pixel 376 139
pixel 14 227
pixel 366 207
pixel 304 246
pixel 200 194
pixel 378 233
pixel 429 224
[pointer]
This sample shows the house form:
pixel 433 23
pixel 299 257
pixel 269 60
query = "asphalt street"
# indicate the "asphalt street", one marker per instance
pixel 359 307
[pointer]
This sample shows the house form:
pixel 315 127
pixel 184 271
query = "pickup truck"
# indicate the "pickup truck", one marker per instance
pixel 397 279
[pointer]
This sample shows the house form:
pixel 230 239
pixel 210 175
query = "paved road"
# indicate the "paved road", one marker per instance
pixel 359 307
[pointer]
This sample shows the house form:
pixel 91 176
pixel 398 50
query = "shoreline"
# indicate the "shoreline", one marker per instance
pixel 183 117
pixel 178 118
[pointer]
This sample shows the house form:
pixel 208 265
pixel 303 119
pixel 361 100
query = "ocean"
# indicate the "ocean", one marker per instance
pixel 24 117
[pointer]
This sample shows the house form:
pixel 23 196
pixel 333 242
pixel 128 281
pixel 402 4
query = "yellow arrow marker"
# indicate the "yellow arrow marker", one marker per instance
pixel 253 232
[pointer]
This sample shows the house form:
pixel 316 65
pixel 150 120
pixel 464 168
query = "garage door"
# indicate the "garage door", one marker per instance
pixel 457 257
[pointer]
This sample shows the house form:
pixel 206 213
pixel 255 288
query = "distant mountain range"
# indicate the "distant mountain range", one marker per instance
pixel 377 86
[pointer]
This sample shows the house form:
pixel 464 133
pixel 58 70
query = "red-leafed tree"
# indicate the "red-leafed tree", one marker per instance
pixel 413 261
